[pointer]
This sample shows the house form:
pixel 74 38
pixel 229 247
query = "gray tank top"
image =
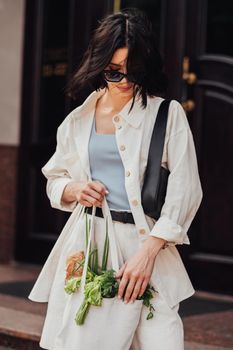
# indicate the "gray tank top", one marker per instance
pixel 106 166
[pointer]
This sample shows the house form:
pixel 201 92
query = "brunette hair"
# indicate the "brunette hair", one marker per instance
pixel 128 28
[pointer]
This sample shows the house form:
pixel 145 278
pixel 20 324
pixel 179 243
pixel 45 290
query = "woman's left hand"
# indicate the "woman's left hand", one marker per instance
pixel 136 271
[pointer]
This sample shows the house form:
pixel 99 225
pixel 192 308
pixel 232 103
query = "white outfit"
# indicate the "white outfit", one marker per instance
pixel 70 163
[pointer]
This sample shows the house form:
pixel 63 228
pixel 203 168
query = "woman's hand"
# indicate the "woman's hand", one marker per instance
pixel 136 271
pixel 89 193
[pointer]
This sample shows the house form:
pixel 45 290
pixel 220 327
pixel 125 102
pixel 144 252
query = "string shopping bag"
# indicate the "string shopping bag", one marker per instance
pixel 109 326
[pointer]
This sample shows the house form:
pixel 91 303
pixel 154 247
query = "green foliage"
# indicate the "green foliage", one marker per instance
pixel 72 285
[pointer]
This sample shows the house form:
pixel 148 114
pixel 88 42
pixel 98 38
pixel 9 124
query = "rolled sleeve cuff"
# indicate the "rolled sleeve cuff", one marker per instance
pixel 170 231
pixel 56 194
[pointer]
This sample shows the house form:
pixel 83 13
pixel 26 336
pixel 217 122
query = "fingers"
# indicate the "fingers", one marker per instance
pixel 92 194
pixel 95 195
pixel 129 289
pixel 132 284
pixel 98 187
pixel 85 203
pixel 120 272
pixel 143 286
pixel 133 288
pixel 137 290
pixel 122 286
pixel 90 200
pixel 128 283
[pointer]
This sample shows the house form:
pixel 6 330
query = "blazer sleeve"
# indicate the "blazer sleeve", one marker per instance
pixel 184 191
pixel 55 170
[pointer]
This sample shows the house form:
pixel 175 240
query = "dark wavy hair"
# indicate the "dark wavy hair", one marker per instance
pixel 128 28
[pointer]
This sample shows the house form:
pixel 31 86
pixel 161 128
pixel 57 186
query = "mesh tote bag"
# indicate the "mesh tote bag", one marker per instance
pixel 109 326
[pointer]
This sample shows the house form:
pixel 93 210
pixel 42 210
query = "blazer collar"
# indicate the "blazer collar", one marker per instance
pixel 134 118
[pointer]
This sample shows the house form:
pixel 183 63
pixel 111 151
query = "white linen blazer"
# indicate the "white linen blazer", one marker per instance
pixel 70 162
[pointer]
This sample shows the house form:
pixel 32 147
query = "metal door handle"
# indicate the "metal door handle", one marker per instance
pixel 189 77
pixel 188 105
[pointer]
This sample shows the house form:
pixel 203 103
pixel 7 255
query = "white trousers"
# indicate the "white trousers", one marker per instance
pixel 165 330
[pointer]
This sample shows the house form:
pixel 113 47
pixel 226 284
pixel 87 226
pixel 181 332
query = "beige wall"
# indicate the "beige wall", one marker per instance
pixel 11 48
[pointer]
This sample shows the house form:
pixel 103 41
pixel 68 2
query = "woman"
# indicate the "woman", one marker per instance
pixel 102 149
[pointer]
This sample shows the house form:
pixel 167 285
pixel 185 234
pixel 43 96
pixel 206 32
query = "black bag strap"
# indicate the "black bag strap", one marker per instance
pixel 156 147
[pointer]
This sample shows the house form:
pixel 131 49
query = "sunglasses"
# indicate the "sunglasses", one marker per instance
pixel 115 76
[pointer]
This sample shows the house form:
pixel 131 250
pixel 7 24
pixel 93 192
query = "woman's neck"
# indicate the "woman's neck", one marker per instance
pixel 114 101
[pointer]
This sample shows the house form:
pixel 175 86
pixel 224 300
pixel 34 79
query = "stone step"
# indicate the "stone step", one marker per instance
pixel 20 330
pixel 199 346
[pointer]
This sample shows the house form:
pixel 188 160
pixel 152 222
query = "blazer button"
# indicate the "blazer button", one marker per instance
pixel 127 173
pixel 122 147
pixel 142 231
pixel 116 119
pixel 135 202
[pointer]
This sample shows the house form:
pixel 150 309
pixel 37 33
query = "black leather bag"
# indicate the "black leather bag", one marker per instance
pixel 156 177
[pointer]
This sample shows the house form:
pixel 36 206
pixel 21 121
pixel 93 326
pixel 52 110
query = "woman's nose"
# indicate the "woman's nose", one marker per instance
pixel 124 80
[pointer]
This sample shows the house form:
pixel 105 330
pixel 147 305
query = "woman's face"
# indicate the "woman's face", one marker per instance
pixel 118 63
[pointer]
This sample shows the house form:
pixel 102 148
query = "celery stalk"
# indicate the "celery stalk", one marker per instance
pixel 106 249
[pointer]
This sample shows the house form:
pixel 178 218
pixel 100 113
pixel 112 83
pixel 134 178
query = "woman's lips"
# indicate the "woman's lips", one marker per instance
pixel 124 89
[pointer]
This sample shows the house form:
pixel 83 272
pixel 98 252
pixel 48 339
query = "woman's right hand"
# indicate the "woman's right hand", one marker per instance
pixel 90 193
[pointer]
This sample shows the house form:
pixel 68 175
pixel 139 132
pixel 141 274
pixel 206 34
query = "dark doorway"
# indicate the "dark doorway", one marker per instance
pixel 210 54
pixel 56 35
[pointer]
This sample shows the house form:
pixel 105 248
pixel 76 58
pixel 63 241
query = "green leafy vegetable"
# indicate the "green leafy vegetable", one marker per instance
pixel 72 285
pixel 146 297
pixel 81 314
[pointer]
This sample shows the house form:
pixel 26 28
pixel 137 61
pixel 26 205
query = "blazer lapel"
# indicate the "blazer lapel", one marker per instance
pixel 83 126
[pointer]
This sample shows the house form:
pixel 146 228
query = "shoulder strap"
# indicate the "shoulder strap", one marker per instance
pixel 156 147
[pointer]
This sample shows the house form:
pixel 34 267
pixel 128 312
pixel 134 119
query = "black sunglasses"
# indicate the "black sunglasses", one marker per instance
pixel 115 76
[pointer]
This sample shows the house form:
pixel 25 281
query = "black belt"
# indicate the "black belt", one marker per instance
pixel 122 216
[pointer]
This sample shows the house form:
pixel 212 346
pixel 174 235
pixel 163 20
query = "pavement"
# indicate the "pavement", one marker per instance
pixel 207 317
